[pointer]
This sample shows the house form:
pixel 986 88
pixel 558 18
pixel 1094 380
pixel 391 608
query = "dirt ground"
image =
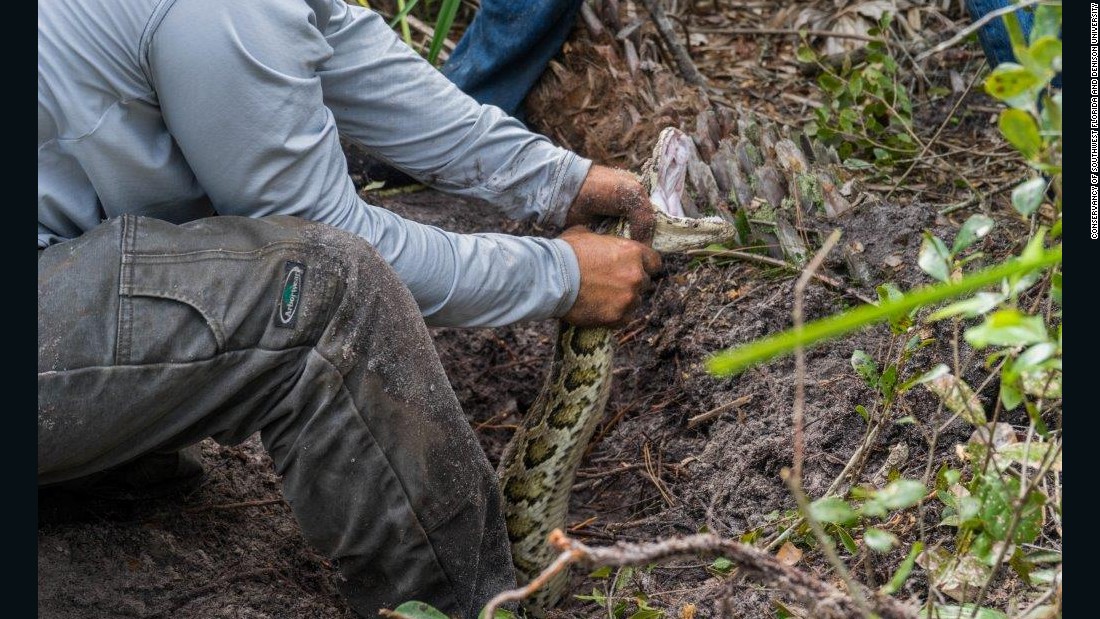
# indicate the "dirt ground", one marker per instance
pixel 231 548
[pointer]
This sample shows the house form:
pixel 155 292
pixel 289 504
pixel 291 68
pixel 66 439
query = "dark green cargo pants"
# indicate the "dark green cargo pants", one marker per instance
pixel 153 336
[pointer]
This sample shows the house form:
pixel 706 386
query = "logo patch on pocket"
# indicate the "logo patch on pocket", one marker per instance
pixel 290 295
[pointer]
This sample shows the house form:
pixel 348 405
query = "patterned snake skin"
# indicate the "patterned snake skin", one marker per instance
pixel 540 463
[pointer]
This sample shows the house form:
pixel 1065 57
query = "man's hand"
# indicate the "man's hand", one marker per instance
pixel 608 192
pixel 614 273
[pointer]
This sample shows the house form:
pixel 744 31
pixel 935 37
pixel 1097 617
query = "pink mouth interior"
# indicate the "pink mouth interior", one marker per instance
pixel 671 170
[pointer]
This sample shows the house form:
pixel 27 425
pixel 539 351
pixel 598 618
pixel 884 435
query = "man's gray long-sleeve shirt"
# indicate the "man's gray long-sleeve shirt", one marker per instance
pixel 178 109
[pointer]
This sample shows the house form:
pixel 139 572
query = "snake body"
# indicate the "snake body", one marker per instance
pixel 540 463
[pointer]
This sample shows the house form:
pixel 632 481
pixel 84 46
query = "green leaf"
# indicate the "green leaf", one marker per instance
pixel 935 372
pixel 855 85
pixel 1015 34
pixel 732 361
pixel 722 566
pixel 447 11
pixel 853 163
pixel 888 381
pixel 830 83
pixel 1027 196
pixel 806 54
pixel 833 509
pixel 1007 327
pixel 900 494
pixel 845 539
pixel 418 610
pixel 888 292
pixel 1010 395
pixel 975 227
pixel 951 476
pixel 904 569
pixel 955 575
pixel 997 497
pixel 974 306
pixel 862 410
pixel 596 597
pixel 1045 52
pixel 623 579
pixel 1034 356
pixel 1035 454
pixel 934 259
pixel 866 367
pixel 603 572
pixel 879 540
pixel 1013 84
pixel 958 397
pixel 648 613
pixel 1042 383
pixel 1020 130
pixel 1047 21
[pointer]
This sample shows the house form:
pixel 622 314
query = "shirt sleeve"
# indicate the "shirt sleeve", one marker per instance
pixel 417 120
pixel 239 88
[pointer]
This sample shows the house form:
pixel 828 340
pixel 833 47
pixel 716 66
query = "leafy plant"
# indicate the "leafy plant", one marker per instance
pixel 867 114
pixel 1001 498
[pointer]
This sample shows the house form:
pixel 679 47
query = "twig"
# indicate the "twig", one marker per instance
pixel 1017 513
pixel 974 199
pixel 788 31
pixel 687 67
pixel 800 360
pixel 824 600
pixel 793 476
pixel 718 410
pixel 654 474
pixel 799 351
pixel 742 255
pixel 514 595
pixel 850 470
pixel 928 145
pixel 827 547
pixel 241 505
pixel 988 17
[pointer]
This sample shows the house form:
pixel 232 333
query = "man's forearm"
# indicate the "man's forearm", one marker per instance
pixel 392 102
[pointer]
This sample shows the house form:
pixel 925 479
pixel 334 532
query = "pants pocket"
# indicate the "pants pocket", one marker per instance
pixel 180 304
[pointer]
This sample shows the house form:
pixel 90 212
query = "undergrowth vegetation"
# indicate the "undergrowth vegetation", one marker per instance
pixel 1002 493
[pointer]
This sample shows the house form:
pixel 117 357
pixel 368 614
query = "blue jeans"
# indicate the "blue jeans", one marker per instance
pixel 507 47
pixel 994 36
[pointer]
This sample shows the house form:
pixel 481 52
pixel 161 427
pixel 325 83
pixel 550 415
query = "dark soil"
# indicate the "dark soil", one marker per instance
pixel 231 547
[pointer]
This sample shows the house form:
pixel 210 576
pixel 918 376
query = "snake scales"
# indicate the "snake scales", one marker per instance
pixel 539 465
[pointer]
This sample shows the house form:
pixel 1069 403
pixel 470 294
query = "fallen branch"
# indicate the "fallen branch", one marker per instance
pixel 823 600
pixel 977 197
pixel 684 63
pixel 744 255
pixel 718 410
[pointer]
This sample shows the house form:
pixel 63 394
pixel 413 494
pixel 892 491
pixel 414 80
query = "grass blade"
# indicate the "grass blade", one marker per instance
pixel 447 11
pixel 734 360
